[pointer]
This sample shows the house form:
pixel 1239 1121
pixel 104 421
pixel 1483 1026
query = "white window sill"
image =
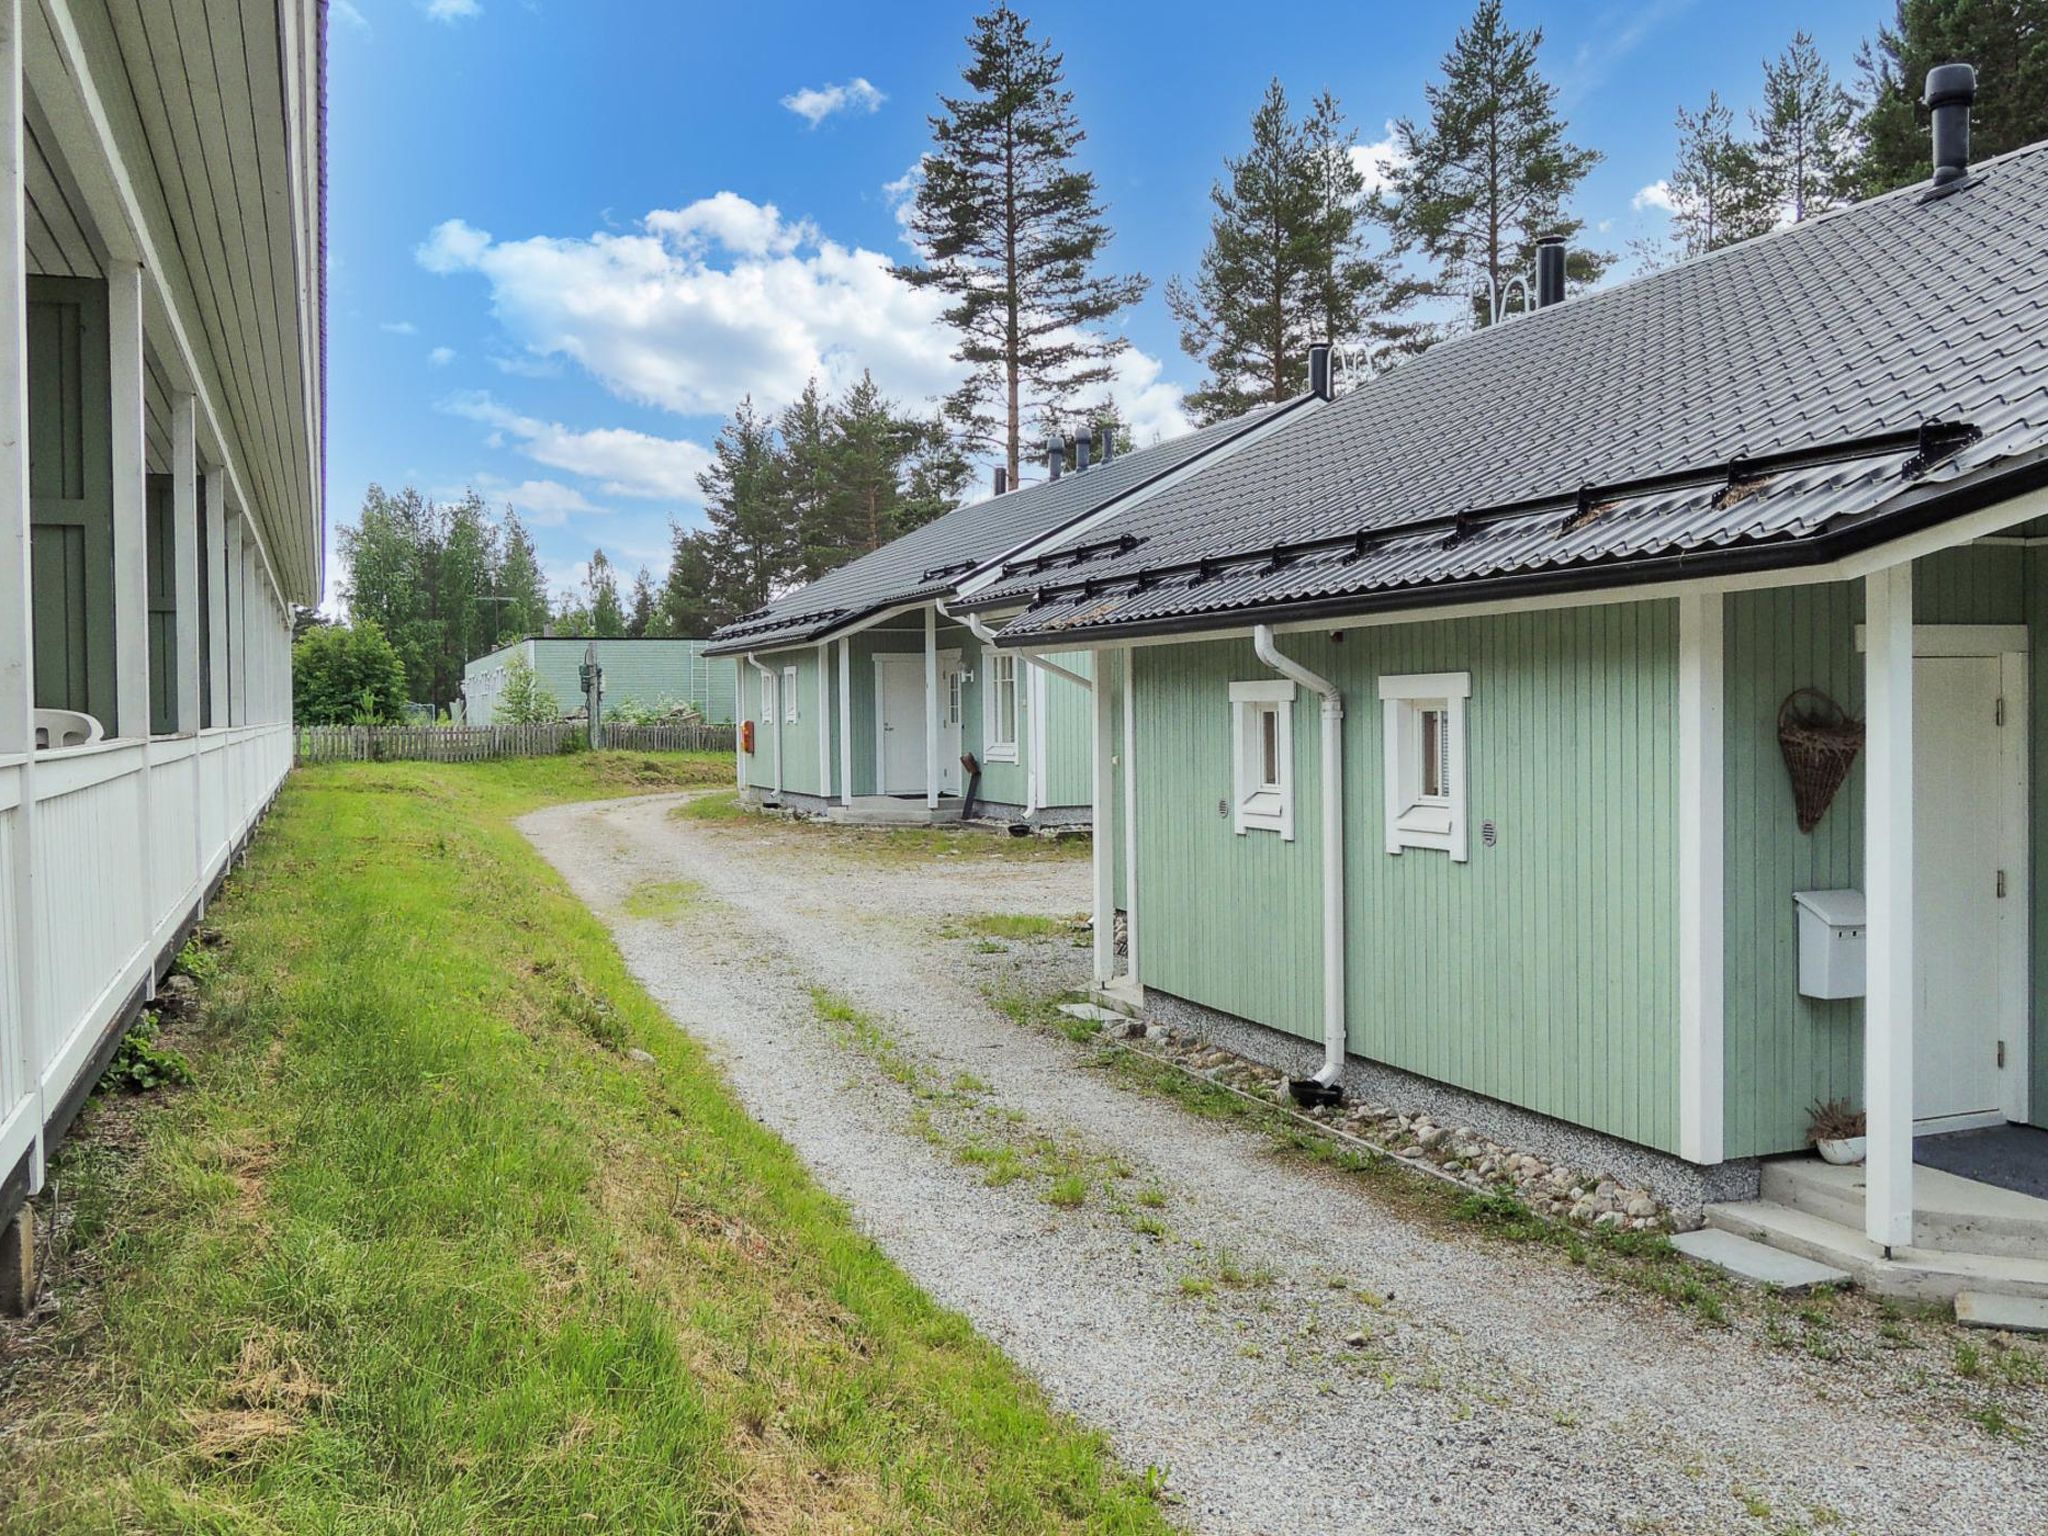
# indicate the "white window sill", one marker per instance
pixel 1266 811
pixel 1425 826
pixel 1000 754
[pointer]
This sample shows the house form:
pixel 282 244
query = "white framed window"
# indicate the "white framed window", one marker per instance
pixel 789 710
pixel 1424 727
pixel 1262 756
pixel 999 706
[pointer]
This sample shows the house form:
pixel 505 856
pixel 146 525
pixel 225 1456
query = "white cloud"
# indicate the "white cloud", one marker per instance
pixel 451 246
pixel 441 357
pixel 345 11
pixel 816 103
pixel 454 10
pixel 524 367
pixel 709 302
pixel 1657 194
pixel 399 327
pixel 901 196
pixel 623 462
pixel 1377 161
pixel 539 503
pixel 1150 406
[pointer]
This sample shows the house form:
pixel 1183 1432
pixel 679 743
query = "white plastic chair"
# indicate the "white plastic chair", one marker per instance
pixel 66 728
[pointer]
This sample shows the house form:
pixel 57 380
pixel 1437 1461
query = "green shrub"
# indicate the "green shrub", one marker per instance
pixel 140 1065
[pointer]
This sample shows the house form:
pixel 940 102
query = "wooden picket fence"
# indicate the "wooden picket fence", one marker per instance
pixel 476 743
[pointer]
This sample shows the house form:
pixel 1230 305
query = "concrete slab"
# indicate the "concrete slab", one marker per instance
pixel 2011 1314
pixel 1091 1013
pixel 1756 1263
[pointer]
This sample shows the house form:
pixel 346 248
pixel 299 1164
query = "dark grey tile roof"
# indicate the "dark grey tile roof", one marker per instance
pixel 1817 353
pixel 929 561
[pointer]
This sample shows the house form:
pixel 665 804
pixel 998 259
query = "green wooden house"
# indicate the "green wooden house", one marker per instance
pixel 651 673
pixel 1457 730
pixel 869 700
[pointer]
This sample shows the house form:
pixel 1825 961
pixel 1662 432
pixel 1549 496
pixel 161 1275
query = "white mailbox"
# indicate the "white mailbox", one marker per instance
pixel 1831 929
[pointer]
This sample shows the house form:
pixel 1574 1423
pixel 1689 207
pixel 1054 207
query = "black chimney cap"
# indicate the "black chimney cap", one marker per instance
pixel 1951 90
pixel 1319 383
pixel 1550 258
pixel 1055 456
pixel 1106 431
pixel 1081 446
pixel 1002 479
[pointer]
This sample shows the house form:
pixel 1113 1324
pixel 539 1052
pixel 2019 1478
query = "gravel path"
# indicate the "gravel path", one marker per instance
pixel 1365 1372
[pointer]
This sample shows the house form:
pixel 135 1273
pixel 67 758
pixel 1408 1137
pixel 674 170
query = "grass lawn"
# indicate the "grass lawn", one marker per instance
pixel 887 845
pixel 425 1250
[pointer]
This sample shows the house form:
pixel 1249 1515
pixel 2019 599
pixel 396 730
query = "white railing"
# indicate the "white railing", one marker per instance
pixel 128 837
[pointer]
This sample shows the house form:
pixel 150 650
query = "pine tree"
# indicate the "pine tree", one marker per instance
pixel 2003 38
pixel 1490 171
pixel 522 588
pixel 601 588
pixel 1719 193
pixel 805 428
pixel 1011 231
pixel 1252 309
pixel 753 549
pixel 1285 264
pixel 690 602
pixel 1806 141
pixel 869 444
pixel 642 617
pixel 935 473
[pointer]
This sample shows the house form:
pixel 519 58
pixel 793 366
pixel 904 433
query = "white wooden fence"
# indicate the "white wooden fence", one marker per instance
pixel 477 743
pixel 128 836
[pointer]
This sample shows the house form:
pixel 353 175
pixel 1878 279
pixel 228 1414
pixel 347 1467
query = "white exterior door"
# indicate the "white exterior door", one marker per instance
pixel 899 724
pixel 951 696
pixel 1968 859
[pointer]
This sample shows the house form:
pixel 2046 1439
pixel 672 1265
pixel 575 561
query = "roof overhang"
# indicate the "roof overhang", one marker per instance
pixel 1940 517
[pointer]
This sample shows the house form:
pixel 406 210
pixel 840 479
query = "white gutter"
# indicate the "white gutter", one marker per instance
pixel 980 630
pixel 768 675
pixel 1332 1071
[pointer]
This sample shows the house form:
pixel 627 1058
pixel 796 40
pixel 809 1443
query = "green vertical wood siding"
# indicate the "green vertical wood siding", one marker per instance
pixel 1784 1051
pixel 1542 972
pixel 160 554
pixel 2036 566
pixel 71 498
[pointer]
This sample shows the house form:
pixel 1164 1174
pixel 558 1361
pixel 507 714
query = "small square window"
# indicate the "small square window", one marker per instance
pixel 1262 746
pixel 1424 725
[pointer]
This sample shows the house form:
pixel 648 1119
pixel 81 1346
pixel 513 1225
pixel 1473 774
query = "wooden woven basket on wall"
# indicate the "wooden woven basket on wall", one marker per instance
pixel 1820 743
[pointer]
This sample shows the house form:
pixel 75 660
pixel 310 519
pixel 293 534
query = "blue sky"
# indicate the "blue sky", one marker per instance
pixel 567 235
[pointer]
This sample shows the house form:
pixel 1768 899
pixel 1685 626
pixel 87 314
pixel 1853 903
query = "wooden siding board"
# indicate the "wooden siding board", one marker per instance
pixel 1783 1051
pixel 1543 971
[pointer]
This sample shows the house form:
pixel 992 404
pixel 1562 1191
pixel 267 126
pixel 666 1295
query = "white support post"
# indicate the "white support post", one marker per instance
pixel 1888 891
pixel 131 523
pixel 845 722
pixel 17 634
pixel 824 726
pixel 238 659
pixel 1103 840
pixel 185 556
pixel 214 552
pixel 1130 811
pixel 1701 878
pixel 931 708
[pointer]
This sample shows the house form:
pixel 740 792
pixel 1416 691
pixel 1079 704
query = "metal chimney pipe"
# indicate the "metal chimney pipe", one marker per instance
pixel 1951 88
pixel 1002 479
pixel 1081 446
pixel 1107 434
pixel 1550 253
pixel 1319 370
pixel 1055 456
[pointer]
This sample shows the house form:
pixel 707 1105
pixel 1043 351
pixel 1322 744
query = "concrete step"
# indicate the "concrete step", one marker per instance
pixel 1922 1274
pixel 1954 1214
pixel 1758 1263
pixel 2012 1314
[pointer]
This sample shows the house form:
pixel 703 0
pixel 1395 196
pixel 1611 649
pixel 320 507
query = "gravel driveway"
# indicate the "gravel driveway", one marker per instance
pixel 1293 1354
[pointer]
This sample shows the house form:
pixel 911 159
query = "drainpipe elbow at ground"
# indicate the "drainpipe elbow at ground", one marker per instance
pixel 1331 1076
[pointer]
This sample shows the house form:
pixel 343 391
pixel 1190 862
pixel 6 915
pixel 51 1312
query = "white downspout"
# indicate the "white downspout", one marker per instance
pixel 1332 1072
pixel 978 627
pixel 767 677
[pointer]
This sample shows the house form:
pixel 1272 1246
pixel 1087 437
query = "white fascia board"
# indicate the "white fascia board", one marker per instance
pixel 986 574
pixel 71 100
